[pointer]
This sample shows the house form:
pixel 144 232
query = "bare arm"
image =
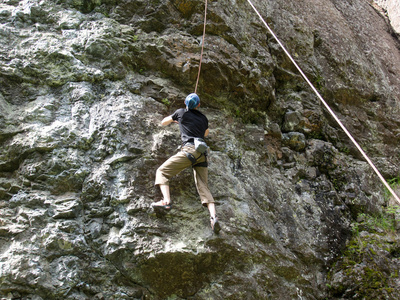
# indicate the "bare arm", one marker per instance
pixel 207 132
pixel 167 120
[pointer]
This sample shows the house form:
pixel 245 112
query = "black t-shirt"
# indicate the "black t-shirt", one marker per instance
pixel 192 123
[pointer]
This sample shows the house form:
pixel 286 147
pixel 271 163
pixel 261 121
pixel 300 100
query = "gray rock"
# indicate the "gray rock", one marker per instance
pixel 83 88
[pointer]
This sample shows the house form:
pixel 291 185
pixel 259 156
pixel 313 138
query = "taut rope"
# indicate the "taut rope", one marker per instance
pixel 202 46
pixel 327 107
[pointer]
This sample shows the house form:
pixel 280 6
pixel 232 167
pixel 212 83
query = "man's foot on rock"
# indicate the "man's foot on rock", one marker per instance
pixel 161 205
pixel 215 226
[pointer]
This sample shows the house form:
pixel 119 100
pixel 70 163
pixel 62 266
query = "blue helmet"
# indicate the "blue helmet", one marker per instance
pixel 192 101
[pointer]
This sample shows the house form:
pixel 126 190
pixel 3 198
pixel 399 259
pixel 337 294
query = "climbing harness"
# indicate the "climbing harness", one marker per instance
pixel 327 106
pixel 201 147
pixel 202 46
pixel 194 160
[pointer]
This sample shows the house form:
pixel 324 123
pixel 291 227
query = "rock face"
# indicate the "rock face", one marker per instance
pixel 392 10
pixel 84 85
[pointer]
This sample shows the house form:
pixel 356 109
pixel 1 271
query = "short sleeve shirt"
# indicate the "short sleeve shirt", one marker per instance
pixel 192 123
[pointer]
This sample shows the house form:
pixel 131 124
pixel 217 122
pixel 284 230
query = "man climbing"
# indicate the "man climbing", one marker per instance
pixel 192 125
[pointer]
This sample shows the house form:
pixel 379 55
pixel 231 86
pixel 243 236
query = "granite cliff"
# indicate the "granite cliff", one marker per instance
pixel 84 85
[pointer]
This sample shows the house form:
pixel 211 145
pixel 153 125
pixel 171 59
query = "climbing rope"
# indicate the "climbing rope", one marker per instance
pixel 202 46
pixel 327 106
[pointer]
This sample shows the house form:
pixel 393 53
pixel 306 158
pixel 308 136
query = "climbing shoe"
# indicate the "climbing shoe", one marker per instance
pixel 215 226
pixel 160 205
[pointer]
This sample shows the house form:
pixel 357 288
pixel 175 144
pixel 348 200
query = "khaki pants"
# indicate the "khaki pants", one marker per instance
pixel 178 163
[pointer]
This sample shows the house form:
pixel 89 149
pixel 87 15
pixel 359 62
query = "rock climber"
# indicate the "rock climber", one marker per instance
pixel 192 125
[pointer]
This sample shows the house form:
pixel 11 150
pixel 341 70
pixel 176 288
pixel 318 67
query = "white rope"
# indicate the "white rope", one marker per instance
pixel 202 46
pixel 327 107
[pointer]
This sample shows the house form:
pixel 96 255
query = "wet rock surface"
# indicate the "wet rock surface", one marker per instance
pixel 83 88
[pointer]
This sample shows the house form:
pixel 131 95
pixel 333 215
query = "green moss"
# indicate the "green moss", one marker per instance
pixel 365 275
pixel 382 223
pixel 166 102
pixel 394 183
